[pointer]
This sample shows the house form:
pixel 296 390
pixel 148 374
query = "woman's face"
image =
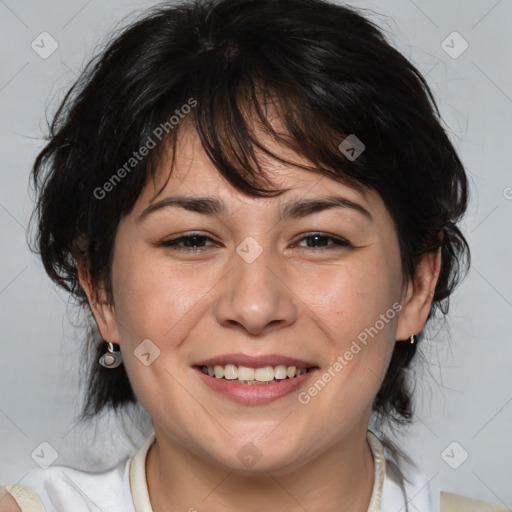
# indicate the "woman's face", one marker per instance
pixel 260 285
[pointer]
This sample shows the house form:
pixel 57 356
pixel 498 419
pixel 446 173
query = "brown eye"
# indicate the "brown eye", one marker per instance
pixel 321 241
pixel 193 242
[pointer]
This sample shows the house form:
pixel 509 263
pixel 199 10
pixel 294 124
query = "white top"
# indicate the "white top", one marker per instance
pixel 124 488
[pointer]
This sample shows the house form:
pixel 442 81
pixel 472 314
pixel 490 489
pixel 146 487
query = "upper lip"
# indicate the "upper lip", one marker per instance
pixel 255 361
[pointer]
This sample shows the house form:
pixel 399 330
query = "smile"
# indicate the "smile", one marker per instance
pixel 269 383
pixel 249 376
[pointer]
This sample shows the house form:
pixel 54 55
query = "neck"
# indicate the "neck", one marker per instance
pixel 340 479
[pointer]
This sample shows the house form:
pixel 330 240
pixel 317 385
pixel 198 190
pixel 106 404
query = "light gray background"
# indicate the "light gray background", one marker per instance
pixel 465 389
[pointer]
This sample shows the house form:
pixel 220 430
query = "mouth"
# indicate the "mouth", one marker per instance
pixel 254 380
pixel 249 376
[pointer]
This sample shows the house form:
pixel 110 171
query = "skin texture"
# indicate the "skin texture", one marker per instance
pixel 295 299
pixel 8 503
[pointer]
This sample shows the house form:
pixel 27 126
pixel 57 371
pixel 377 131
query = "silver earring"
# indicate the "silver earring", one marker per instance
pixel 412 340
pixel 112 358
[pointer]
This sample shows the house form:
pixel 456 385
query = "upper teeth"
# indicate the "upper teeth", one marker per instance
pixel 264 374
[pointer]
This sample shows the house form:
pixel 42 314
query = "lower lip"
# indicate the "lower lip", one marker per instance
pixel 255 394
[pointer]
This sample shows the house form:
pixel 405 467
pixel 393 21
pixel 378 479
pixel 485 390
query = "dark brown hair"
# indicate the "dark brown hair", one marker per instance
pixel 326 69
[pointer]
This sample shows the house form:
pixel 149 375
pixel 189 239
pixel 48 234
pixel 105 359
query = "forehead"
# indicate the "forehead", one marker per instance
pixel 192 173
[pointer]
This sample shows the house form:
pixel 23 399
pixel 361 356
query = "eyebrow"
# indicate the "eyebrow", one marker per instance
pixel 293 210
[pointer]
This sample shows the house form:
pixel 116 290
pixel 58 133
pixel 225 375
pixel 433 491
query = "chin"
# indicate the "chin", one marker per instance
pixel 247 455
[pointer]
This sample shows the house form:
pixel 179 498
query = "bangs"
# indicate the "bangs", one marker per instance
pixel 240 115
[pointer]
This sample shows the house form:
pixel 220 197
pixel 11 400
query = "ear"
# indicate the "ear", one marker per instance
pixel 104 314
pixel 418 295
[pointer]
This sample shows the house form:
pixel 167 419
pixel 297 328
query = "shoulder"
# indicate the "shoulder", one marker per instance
pixel 8 503
pixel 456 503
pixel 61 488
pixel 424 494
pixel 407 484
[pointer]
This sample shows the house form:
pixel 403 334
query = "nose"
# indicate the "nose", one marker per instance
pixel 255 296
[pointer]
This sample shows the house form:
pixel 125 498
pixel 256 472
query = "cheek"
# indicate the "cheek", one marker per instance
pixel 352 297
pixel 152 299
pixel 157 303
pixel 360 308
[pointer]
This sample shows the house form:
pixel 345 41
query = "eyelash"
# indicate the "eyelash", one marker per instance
pixel 174 243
